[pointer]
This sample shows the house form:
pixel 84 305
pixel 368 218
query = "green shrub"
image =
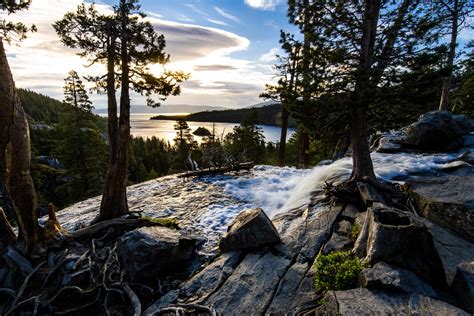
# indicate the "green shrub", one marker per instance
pixel 355 231
pixel 338 271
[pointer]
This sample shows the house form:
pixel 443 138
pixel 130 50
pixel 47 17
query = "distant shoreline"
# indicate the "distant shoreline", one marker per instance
pixel 268 115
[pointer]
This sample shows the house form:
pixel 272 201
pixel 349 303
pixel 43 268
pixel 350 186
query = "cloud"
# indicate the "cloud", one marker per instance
pixel 214 67
pixel 196 9
pixel 219 22
pixel 41 62
pixel 189 41
pixel 263 4
pixel 227 15
pixel 270 56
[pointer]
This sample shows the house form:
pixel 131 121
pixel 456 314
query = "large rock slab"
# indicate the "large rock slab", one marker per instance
pixel 392 236
pixel 447 201
pixel 250 229
pixel 386 277
pixel 376 302
pixel 437 130
pixel 146 251
pixel 463 285
pixel 250 288
pixel 452 249
pixel 297 286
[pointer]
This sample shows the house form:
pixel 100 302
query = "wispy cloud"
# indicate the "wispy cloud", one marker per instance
pixel 227 15
pixel 196 9
pixel 270 56
pixel 218 22
pixel 263 4
pixel 42 61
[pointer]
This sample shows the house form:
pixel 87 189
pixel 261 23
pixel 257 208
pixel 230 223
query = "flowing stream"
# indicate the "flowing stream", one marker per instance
pixel 205 206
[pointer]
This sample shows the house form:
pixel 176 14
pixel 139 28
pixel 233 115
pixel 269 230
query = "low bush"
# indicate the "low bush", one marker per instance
pixel 338 270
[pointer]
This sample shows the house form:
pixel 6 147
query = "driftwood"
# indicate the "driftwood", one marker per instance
pixel 218 170
pixel 128 224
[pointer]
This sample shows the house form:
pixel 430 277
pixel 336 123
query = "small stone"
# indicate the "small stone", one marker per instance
pixel 250 229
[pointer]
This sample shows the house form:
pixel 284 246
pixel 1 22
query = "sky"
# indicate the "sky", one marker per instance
pixel 228 47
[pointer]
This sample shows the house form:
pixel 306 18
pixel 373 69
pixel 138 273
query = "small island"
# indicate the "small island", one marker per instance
pixel 202 131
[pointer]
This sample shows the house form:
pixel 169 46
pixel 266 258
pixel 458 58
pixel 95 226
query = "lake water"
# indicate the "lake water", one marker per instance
pixel 141 125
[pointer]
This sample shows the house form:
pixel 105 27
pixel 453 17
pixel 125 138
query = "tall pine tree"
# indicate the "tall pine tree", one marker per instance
pixel 127 44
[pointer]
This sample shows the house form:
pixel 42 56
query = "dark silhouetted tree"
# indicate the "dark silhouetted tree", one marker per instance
pixel 128 45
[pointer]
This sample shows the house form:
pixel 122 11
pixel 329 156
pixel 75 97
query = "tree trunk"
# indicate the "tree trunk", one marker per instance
pixel 15 159
pixel 304 149
pixel 361 96
pixel 443 103
pixel 285 115
pixel 114 200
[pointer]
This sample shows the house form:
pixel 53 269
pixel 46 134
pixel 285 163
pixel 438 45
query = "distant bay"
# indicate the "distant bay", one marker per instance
pixel 141 125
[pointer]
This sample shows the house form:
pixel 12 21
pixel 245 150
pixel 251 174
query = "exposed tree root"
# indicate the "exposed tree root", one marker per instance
pixel 80 273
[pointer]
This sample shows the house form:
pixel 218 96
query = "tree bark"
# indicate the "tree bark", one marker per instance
pixel 15 159
pixel 114 200
pixel 285 115
pixel 361 96
pixel 444 101
pixel 304 149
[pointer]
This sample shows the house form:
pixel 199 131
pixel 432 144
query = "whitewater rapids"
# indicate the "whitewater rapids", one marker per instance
pixel 205 206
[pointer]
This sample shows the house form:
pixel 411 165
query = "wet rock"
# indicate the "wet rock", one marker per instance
pixel 249 289
pixel 386 277
pixel 350 212
pixel 368 194
pixel 437 130
pixel 388 143
pixel 452 249
pixel 377 302
pixel 250 229
pixel 446 201
pixel 147 251
pixel 463 285
pixel 468 140
pixel 391 236
pixel 297 287
pixel 337 243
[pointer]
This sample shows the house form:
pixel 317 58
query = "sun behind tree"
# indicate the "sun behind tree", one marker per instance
pixel 127 44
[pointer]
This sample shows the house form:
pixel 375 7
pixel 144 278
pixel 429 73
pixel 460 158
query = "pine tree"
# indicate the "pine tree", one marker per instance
pixel 452 16
pixel 127 44
pixel 81 148
pixel 363 41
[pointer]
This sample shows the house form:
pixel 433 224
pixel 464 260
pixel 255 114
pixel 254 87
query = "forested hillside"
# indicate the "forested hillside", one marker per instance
pixel 267 115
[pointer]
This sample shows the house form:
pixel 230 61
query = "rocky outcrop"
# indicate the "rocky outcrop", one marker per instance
pixel 147 251
pixel 376 302
pixel 438 130
pixel 250 229
pixel 463 285
pixel 269 280
pixel 392 236
pixel 447 201
pixel 386 277
pixel 434 131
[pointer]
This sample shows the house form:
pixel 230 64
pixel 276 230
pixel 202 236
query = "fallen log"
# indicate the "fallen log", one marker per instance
pixel 128 224
pixel 217 170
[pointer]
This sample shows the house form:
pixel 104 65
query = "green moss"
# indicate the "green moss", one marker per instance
pixel 355 231
pixel 165 221
pixel 338 270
